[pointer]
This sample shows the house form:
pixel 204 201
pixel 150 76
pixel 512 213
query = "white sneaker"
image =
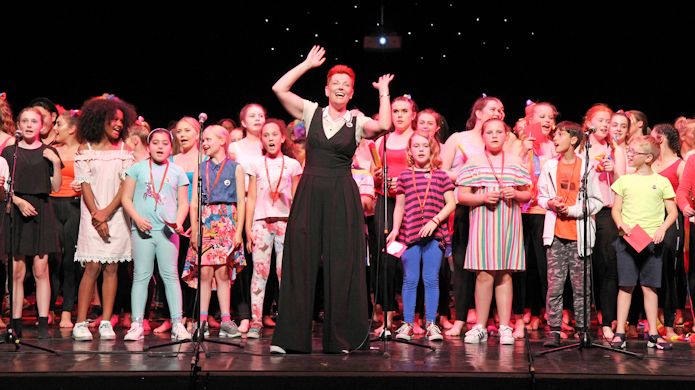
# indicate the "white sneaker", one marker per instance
pixel 476 335
pixel 405 332
pixel 434 333
pixel 506 335
pixel 254 333
pixel 81 332
pixel 179 332
pixel 106 331
pixel 135 333
pixel 274 349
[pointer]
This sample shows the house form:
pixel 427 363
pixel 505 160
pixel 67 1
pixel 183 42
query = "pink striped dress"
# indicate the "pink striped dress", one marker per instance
pixel 496 240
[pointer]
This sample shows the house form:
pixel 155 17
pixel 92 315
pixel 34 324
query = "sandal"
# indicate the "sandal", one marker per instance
pixel 653 342
pixel 618 341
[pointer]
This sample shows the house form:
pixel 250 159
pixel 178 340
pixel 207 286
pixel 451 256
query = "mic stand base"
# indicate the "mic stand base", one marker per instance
pixel 11 338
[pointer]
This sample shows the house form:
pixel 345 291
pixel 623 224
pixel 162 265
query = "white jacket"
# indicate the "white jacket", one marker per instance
pixel 547 190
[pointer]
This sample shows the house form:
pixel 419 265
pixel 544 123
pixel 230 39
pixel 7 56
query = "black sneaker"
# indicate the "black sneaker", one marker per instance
pixel 552 340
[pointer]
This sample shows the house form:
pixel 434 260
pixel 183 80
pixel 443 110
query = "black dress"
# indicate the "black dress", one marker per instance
pixel 37 235
pixel 325 227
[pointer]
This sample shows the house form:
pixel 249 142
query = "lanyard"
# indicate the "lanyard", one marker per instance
pixel 155 192
pixel 492 168
pixel 217 177
pixel 274 195
pixel 422 202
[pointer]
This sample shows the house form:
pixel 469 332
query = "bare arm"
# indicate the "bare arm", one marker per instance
pixel 143 224
pixel 182 207
pixel 250 207
pixel 449 150
pixel 671 215
pixel 467 197
pixel 398 212
pixel 193 212
pixel 57 177
pixel 617 214
pixel 372 128
pixel 293 103
pixel 295 183
pixel 240 204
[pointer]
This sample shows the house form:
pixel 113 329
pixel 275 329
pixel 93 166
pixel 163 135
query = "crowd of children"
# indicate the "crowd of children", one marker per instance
pixel 503 213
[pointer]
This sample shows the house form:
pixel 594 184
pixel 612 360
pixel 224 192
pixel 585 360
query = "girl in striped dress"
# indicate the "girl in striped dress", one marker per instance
pixel 494 185
pixel 424 200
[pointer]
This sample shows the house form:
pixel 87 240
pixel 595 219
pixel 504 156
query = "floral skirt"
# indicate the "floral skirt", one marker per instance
pixel 219 227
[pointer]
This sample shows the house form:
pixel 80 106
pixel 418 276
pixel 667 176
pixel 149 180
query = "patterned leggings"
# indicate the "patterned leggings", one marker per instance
pixel 563 258
pixel 265 234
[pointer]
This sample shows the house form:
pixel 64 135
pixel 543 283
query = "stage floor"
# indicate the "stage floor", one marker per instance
pixel 115 364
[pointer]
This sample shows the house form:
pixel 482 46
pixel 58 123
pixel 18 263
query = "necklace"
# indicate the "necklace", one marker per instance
pixel 217 177
pixel 274 195
pixel 155 193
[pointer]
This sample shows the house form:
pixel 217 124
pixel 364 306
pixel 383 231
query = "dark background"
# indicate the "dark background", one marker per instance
pixel 215 58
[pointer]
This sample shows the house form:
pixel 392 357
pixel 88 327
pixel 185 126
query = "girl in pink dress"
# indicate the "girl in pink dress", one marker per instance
pixel 494 184
pixel 104 240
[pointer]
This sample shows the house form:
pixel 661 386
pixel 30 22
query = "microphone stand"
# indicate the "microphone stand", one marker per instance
pixel 382 275
pixel 198 337
pixel 11 337
pixel 585 338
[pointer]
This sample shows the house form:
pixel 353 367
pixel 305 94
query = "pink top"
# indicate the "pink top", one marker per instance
pixel 396 162
pixel 266 207
pixel 686 188
pixel 671 173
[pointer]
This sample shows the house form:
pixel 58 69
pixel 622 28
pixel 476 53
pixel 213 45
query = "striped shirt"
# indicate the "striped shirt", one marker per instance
pixel 415 216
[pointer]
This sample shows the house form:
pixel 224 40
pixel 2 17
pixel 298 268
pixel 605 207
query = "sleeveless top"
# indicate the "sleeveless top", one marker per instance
pixel 330 157
pixel 671 173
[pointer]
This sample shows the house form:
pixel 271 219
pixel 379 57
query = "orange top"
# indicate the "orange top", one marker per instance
pixel 568 181
pixel 68 173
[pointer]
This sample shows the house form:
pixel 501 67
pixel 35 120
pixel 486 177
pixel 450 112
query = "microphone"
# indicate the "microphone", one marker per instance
pixel 591 130
pixel 18 134
pixel 202 117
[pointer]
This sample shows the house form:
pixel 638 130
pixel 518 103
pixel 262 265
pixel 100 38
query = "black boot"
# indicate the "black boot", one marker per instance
pixel 43 327
pixel 17 327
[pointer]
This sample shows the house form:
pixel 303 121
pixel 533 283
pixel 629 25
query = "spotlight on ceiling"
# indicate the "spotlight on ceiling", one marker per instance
pixel 382 42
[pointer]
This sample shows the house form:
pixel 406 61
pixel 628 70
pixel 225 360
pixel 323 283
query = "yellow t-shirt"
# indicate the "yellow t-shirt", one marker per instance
pixel 643 199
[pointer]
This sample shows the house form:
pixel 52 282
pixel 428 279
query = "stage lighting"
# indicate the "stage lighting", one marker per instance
pixel 382 42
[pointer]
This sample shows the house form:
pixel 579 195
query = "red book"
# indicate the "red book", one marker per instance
pixel 638 238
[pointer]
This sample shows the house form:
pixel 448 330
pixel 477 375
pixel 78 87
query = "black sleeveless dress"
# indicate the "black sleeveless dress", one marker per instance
pixel 325 227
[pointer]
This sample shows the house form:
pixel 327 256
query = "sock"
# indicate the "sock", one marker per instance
pixel 203 316
pixel 43 327
pixel 17 326
pixel 226 317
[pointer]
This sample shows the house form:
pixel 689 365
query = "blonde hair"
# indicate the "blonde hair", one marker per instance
pixel 646 144
pixel 435 159
pixel 221 133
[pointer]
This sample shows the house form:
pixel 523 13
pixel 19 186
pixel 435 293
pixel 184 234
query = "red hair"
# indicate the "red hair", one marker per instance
pixel 595 109
pixel 341 69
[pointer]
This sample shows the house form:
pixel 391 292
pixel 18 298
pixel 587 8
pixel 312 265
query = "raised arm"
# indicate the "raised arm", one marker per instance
pixel 372 128
pixel 293 103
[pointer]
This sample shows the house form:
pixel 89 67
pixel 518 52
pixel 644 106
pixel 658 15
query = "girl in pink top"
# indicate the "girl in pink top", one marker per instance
pixel 273 181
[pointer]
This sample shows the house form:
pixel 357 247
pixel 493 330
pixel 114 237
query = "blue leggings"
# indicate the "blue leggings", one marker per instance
pixel 163 245
pixel 431 255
